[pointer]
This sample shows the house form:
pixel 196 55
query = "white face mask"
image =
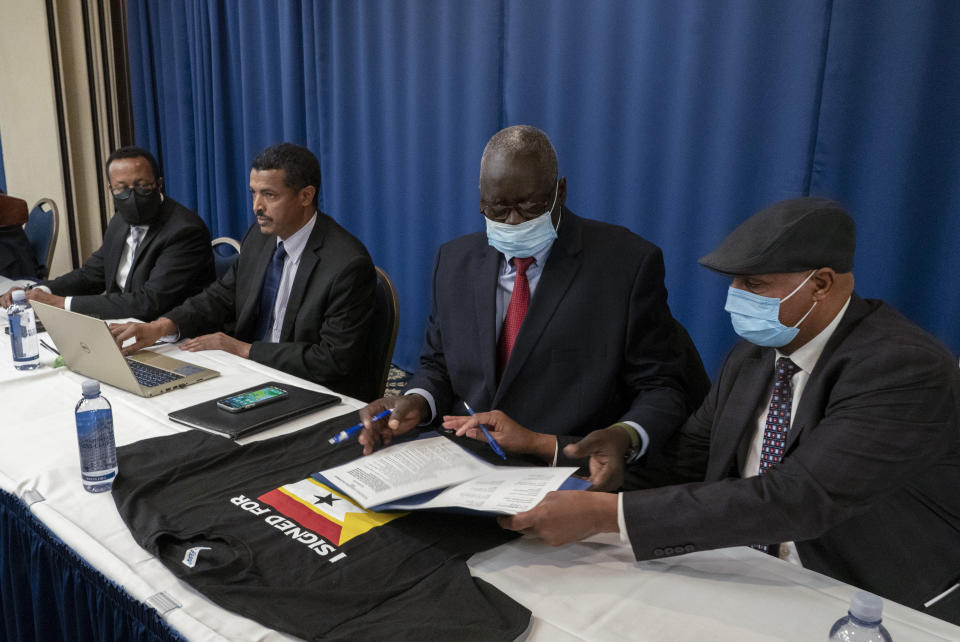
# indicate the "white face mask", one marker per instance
pixel 527 238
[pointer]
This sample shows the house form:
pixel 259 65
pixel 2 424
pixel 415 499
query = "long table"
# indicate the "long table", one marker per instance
pixel 592 590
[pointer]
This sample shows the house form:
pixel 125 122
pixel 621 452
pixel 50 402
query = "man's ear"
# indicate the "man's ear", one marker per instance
pixel 307 194
pixel 824 279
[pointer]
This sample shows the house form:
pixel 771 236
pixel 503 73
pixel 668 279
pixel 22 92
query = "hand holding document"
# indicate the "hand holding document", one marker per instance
pixel 436 473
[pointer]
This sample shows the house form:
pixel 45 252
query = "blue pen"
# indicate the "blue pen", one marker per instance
pixel 490 440
pixel 344 435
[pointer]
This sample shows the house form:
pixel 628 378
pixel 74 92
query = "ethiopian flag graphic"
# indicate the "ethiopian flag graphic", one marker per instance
pixel 324 510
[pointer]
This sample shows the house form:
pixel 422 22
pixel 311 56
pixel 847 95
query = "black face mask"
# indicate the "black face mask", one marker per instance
pixel 138 209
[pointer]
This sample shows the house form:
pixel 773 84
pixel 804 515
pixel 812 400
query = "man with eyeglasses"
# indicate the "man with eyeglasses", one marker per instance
pixel 301 296
pixel 155 252
pixel 548 316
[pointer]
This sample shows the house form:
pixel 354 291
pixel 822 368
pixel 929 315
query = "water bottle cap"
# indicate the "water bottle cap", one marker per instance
pixel 90 388
pixel 19 296
pixel 866 606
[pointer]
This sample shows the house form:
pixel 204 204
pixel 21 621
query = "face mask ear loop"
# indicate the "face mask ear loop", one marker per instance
pixel 797 325
pixel 797 289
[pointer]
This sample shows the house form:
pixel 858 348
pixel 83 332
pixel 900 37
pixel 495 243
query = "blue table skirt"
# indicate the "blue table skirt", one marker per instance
pixel 48 592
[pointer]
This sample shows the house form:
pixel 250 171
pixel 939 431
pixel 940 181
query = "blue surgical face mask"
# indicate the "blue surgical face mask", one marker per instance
pixel 757 318
pixel 524 239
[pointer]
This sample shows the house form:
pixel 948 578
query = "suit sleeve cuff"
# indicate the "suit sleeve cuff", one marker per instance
pixel 622 522
pixel 430 402
pixel 644 443
pixel 66 300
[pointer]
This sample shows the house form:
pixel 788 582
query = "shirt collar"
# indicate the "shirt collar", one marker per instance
pixel 295 243
pixel 540 258
pixel 807 355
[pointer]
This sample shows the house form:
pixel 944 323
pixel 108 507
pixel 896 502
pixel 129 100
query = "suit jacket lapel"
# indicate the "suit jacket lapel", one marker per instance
pixel 308 261
pixel 808 409
pixel 249 305
pixel 111 262
pixel 561 268
pixel 735 424
pixel 485 315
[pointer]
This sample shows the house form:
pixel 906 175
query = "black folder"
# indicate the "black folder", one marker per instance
pixel 207 416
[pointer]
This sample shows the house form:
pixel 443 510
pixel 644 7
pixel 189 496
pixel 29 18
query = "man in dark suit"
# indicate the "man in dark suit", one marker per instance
pixel 155 252
pixel 831 437
pixel 594 343
pixel 300 297
pixel 16 256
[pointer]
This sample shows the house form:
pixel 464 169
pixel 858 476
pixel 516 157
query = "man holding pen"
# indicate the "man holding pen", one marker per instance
pixel 560 321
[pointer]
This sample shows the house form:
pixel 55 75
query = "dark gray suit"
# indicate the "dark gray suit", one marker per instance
pixel 868 486
pixel 598 344
pixel 327 318
pixel 173 261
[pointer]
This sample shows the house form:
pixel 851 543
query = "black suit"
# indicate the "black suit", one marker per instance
pixel 868 486
pixel 598 344
pixel 173 261
pixel 327 318
pixel 17 260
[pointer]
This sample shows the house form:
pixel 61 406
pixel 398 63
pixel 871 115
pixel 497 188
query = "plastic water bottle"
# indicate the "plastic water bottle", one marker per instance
pixel 23 333
pixel 862 622
pixel 98 451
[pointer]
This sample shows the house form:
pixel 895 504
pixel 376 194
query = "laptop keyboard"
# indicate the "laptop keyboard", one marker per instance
pixel 150 376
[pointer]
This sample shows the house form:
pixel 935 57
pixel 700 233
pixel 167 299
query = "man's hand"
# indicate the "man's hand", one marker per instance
pixel 566 516
pixel 606 449
pixel 217 341
pixel 36 294
pixel 508 433
pixel 146 334
pixel 6 299
pixel 408 412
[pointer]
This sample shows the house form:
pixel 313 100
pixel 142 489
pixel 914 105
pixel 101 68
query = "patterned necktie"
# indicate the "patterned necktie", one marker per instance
pixel 268 294
pixel 517 309
pixel 778 416
pixel 778 424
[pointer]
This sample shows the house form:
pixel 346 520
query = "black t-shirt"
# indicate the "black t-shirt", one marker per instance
pixel 250 529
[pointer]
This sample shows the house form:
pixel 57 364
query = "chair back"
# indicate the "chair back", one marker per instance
pixel 41 230
pixel 225 253
pixel 383 332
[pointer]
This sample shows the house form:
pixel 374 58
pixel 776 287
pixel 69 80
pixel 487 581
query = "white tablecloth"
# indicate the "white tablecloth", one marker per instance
pixel 587 591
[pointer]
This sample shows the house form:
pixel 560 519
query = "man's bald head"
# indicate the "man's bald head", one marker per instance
pixel 526 143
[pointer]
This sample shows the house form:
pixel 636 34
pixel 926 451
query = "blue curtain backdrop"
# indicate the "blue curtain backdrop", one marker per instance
pixel 674 118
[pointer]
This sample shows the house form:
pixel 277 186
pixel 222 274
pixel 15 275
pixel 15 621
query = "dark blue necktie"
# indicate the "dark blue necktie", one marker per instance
pixel 268 293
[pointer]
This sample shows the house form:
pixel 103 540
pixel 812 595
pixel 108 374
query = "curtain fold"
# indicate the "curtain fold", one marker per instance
pixel 674 119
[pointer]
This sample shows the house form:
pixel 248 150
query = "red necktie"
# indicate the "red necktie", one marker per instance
pixel 515 311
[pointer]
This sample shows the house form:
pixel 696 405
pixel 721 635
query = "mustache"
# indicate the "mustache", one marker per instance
pixel 261 213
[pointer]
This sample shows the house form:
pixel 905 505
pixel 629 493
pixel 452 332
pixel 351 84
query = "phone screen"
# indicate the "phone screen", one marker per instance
pixel 251 399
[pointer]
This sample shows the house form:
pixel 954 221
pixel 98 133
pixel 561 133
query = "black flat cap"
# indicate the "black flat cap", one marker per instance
pixel 795 235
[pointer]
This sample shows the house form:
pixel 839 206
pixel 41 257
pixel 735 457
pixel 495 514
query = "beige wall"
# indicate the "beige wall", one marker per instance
pixel 29 131
pixel 28 115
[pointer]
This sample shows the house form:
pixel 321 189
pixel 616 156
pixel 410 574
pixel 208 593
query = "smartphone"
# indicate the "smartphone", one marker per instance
pixel 251 399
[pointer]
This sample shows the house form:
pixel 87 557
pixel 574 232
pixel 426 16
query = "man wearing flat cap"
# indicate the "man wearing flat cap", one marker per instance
pixel 830 439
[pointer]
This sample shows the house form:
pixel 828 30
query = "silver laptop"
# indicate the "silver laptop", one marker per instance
pixel 87 347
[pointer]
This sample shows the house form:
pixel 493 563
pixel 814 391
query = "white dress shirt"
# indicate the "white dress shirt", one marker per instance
pixel 294 246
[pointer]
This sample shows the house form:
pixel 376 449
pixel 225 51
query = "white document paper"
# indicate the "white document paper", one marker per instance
pixel 405 469
pixel 506 490
pixel 389 476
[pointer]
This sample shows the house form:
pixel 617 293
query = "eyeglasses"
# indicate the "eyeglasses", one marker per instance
pixel 527 211
pixel 124 192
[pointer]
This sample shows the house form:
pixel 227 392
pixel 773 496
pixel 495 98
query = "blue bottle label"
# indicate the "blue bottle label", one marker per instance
pixel 98 453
